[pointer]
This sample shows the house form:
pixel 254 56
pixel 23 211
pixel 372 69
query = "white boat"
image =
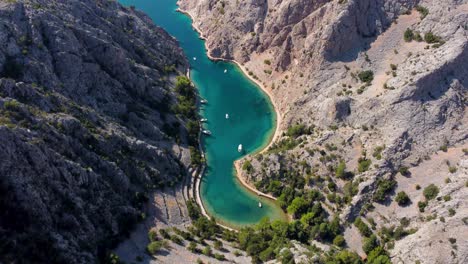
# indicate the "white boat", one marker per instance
pixel 203 120
pixel 239 148
pixel 203 101
pixel 227 116
pixel 225 70
pixel 194 58
pixel 206 132
pixel 260 204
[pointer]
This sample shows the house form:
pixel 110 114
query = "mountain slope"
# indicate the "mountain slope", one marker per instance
pixel 87 126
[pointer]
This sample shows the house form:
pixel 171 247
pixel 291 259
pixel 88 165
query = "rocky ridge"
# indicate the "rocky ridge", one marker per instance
pixel 87 127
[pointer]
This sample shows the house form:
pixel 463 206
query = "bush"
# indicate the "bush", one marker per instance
pixel 152 235
pixel 422 206
pixel 423 11
pixel 207 251
pixel 366 76
pixel 362 227
pixel 431 192
pixel 219 257
pixel 340 170
pixel 267 62
pixel 176 239
pixel 339 241
pixel 370 243
pixel 192 247
pixel 430 38
pixel 408 35
pixel 402 199
pixel 364 164
pixel 297 130
pixel 383 188
pixel 403 170
pixel 154 247
pixel 247 166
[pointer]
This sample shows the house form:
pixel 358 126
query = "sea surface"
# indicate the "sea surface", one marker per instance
pixel 251 121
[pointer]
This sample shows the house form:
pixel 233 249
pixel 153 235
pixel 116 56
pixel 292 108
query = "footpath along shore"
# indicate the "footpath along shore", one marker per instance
pixel 241 178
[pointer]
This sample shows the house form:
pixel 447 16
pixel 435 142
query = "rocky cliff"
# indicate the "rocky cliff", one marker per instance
pixel 87 127
pixel 368 92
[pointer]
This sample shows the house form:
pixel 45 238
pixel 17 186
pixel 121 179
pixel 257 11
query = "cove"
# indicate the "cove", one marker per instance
pixel 251 121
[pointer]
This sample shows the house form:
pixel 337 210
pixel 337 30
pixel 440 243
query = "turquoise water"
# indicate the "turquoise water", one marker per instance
pixel 251 120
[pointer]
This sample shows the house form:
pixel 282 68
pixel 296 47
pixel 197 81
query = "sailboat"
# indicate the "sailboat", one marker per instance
pixel 227 116
pixel 225 70
pixel 259 204
pixel 194 58
pixel 239 148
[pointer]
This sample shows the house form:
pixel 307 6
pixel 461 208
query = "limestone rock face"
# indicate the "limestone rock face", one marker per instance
pixel 85 99
pixel 310 55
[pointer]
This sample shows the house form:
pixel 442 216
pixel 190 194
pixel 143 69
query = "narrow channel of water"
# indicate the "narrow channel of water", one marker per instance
pixel 251 120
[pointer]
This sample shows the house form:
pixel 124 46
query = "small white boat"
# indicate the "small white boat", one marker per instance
pixel 259 204
pixel 206 132
pixel 239 148
pixel 227 116
pixel 194 58
pixel 203 120
pixel 203 101
pixel 225 70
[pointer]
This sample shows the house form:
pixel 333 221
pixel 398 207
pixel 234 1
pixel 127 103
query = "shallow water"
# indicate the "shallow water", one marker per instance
pixel 251 120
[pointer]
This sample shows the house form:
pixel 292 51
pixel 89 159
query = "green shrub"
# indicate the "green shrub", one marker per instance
pixel 219 257
pixel 339 241
pixel 403 170
pixel 297 130
pixel 423 11
pixel 154 247
pixel 267 62
pixel 430 38
pixel 402 199
pixel 247 166
pixel 422 206
pixel 431 192
pixel 370 243
pixel 207 251
pixel 408 35
pixel 362 227
pixel 192 247
pixel 366 76
pixel 152 235
pixel 383 188
pixel 364 164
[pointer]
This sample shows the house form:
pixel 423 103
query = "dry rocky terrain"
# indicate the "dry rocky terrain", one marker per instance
pixel 367 90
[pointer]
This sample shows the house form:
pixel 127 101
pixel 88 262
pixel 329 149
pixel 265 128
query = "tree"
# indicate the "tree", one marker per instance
pixel 366 76
pixel 402 199
pixel 340 170
pixel 431 192
pixel 298 206
pixel 378 256
pixel 362 227
pixel 370 243
pixel 339 241
pixel 430 38
pixel 287 257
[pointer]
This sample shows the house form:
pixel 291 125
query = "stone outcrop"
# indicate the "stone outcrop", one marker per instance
pixel 86 126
